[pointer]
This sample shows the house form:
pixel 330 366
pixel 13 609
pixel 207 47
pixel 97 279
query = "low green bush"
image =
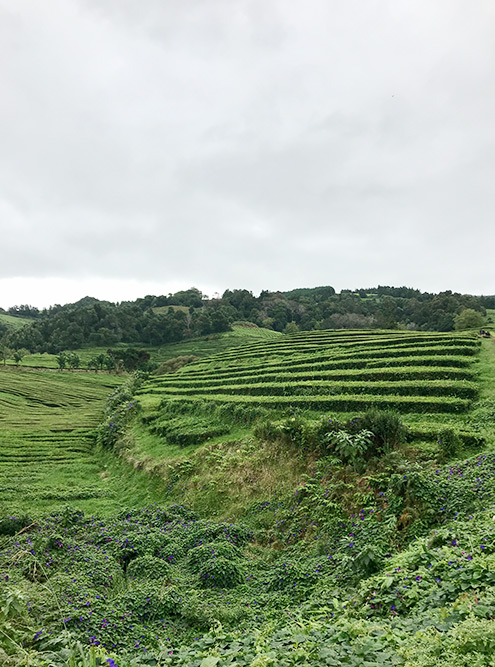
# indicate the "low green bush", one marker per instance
pixel 449 444
pixel 349 403
pixel 292 574
pixel 352 448
pixel 388 430
pixel 172 365
pixel 197 556
pixel 220 572
pixel 148 567
pixel 188 430
pixel 296 387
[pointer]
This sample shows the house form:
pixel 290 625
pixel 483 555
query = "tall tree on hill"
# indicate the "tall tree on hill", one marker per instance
pixel 18 356
pixel 5 353
pixel 468 319
pixel 61 361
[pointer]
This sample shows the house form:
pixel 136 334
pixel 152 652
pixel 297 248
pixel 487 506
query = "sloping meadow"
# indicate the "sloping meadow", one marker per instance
pixel 47 443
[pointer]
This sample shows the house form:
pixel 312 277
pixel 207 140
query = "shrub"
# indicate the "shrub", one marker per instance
pixel 449 443
pixel 293 574
pixel 146 603
pixel 202 532
pixel 172 365
pixel 101 569
pixel 148 567
pixel 387 428
pixel 70 516
pixel 155 516
pixel 266 430
pixel 220 573
pixel 203 553
pixel 353 449
pixel 188 430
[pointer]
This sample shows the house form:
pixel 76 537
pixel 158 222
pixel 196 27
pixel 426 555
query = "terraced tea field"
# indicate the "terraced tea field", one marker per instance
pixel 47 454
pixel 428 377
pixel 47 418
pixel 53 400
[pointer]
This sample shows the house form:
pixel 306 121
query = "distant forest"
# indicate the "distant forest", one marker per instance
pixel 156 320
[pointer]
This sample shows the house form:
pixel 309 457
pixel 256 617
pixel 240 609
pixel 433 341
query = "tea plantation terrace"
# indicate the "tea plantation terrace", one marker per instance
pixel 430 378
pixel 48 456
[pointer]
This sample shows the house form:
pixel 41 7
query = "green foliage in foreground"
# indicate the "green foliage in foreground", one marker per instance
pixel 406 577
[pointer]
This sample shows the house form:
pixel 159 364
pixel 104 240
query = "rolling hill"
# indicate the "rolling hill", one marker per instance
pixel 324 498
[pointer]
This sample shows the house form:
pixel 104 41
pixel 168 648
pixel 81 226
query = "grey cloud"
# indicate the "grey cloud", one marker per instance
pixel 259 144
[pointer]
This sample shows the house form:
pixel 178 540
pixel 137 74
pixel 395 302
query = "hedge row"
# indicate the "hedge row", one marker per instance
pixel 279 350
pixel 287 347
pixel 461 389
pixel 347 403
pixel 347 364
pixel 365 375
pixel 469 438
pixel 187 430
pixel 327 355
pixel 342 339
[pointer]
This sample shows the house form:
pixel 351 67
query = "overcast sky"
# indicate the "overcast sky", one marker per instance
pixel 152 145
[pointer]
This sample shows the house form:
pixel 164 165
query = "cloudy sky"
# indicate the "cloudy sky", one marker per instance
pixel 152 145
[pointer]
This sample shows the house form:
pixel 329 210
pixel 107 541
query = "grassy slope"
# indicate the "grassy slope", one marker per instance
pixel 200 347
pixel 202 476
pixel 47 453
pixel 482 418
pixel 490 317
pixel 15 322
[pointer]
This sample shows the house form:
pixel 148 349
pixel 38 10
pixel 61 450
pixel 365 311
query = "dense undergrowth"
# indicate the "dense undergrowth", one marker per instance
pixel 285 537
pixel 320 582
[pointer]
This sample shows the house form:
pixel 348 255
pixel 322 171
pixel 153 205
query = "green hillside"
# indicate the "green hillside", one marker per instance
pixel 325 498
pixel 201 347
pixel 428 377
pixel 48 456
pixel 14 322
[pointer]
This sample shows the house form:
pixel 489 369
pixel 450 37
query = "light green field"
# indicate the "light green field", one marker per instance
pixel 15 322
pixel 37 399
pixel 48 456
pixel 200 347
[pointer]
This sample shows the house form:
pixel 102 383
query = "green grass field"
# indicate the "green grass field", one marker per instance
pixel 200 347
pixel 48 456
pixel 14 322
